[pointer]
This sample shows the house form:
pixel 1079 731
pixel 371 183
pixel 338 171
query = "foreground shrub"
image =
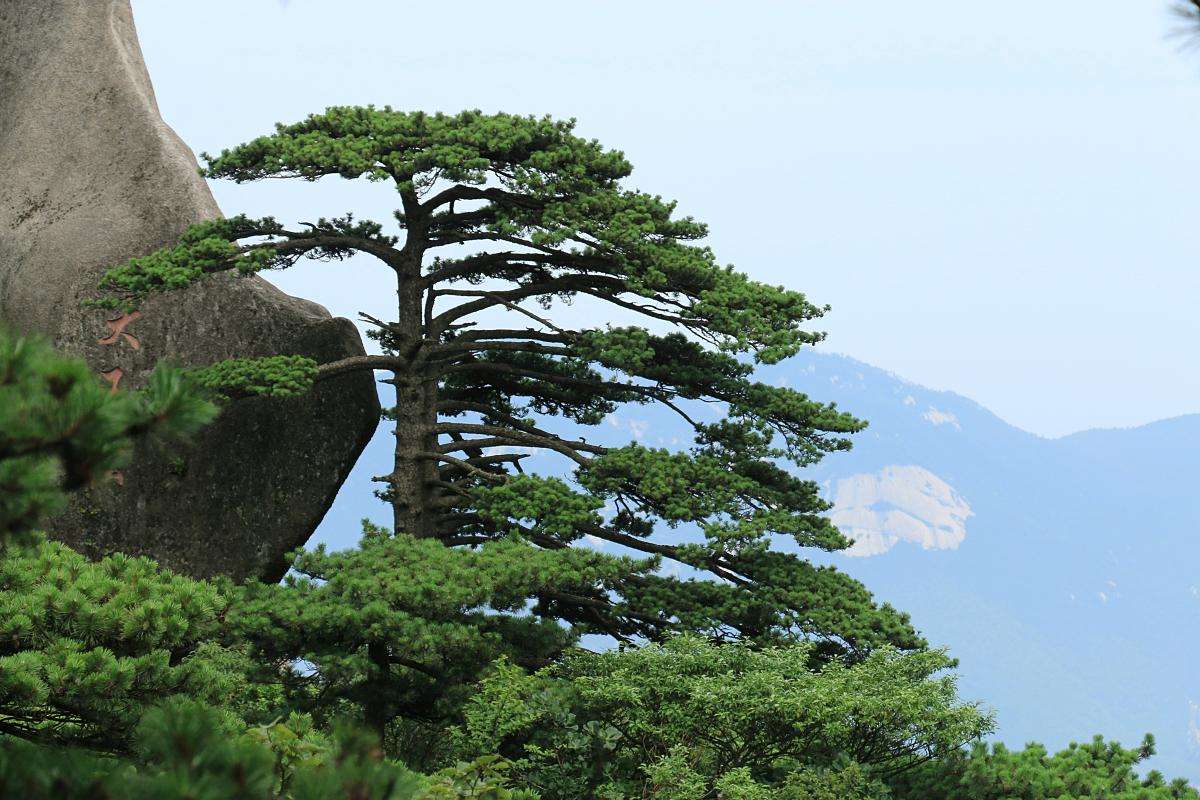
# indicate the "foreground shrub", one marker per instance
pixel 185 751
pixel 86 648
pixel 690 719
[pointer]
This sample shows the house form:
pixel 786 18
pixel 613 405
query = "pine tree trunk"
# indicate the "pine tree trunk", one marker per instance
pixel 377 714
pixel 410 479
pixel 415 412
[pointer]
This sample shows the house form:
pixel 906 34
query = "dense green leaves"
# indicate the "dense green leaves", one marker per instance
pixel 682 719
pixel 401 627
pixel 86 648
pixel 272 376
pixel 186 751
pixel 205 248
pixel 382 144
pixel 1099 769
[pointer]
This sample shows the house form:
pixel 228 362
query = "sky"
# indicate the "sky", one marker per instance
pixel 996 199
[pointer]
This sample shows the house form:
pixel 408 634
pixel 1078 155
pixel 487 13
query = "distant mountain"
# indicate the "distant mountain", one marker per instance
pixel 1061 572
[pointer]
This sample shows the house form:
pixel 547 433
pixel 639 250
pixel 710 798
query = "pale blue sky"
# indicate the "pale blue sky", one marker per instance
pixel 998 199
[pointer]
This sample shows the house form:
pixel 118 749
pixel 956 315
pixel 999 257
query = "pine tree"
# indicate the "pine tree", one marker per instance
pixel 184 750
pixel 87 648
pixel 500 212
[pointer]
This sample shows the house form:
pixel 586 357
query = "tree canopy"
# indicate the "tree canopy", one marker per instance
pixel 402 627
pixel 690 719
pixel 87 648
pixel 1096 769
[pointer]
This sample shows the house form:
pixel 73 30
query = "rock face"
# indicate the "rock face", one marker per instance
pixel 90 176
pixel 898 504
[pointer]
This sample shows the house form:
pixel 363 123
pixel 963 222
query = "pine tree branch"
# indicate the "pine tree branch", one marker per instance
pixel 715 565
pixel 464 465
pixel 464 348
pixel 463 192
pixel 562 284
pixel 478 264
pixel 603 605
pixel 299 243
pixel 601 388
pixel 357 363
pixel 502 437
pixel 494 413
pixel 563 337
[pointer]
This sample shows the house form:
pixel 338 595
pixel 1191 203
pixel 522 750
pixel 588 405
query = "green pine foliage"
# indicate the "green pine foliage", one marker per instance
pixel 1098 770
pixel 503 221
pixel 61 429
pixel 272 376
pixel 188 751
pixel 87 648
pixel 400 628
pixel 689 719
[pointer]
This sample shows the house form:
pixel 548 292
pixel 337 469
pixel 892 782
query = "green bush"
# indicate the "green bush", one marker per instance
pixel 87 647
pixel 688 717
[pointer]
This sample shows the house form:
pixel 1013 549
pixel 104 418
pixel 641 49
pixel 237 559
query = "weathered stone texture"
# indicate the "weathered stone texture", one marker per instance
pixel 90 176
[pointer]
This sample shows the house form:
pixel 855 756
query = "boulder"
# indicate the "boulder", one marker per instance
pixel 90 176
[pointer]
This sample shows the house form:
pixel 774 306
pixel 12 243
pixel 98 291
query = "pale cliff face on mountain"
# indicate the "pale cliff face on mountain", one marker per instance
pixel 898 504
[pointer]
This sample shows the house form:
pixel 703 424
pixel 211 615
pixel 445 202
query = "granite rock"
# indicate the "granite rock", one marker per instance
pixel 90 176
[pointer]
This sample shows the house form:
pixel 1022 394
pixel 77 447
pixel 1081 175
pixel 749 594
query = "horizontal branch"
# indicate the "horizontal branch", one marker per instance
pixel 299 243
pixel 463 465
pixel 603 605
pixel 566 283
pixel 499 436
pixel 516 333
pixel 359 363
pixel 531 436
pixel 464 192
pixel 547 257
pixel 465 347
pixel 485 410
pixel 715 565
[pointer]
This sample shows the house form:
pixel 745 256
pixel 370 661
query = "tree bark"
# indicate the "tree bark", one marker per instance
pixel 411 485
pixel 377 714
pixel 411 492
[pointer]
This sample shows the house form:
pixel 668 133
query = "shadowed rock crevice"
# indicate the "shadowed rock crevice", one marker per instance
pixel 91 176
